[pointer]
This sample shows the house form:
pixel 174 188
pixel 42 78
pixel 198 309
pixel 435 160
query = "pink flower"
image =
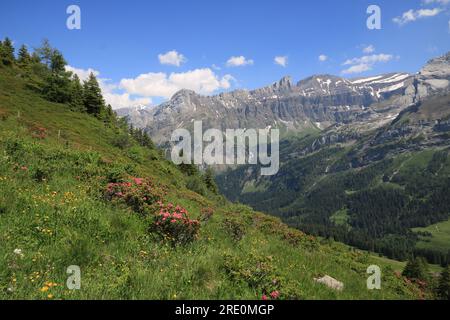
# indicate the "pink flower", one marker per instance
pixel 137 180
pixel 177 216
pixel 173 221
pixel 275 295
pixel 264 297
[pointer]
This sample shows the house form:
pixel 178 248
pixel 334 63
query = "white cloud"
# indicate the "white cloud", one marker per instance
pixel 172 58
pixel 448 26
pixel 83 74
pixel 239 62
pixel 323 58
pixel 441 2
pixel 413 15
pixel 359 68
pixel 281 60
pixel 369 49
pixel 365 63
pixel 371 59
pixel 109 90
pixel 141 90
pixel 123 100
pixel 203 81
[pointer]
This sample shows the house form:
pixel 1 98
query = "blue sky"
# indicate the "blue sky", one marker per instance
pixel 127 42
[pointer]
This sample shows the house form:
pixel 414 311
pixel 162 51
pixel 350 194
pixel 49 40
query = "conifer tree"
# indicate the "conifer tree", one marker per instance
pixel 146 140
pixel 7 52
pixel 35 58
pixel 209 181
pixel 45 52
pixel 76 99
pixel 109 115
pixel 416 268
pixel 58 83
pixel 24 58
pixel 57 63
pixel 93 99
pixel 443 290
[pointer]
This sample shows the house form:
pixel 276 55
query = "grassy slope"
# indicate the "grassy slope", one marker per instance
pixel 64 221
pixel 440 239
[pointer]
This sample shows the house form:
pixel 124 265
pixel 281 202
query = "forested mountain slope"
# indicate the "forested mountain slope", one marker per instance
pixel 368 188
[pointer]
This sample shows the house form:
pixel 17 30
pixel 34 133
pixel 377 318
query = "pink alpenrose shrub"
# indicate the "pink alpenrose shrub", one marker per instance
pixel 142 195
pixel 173 224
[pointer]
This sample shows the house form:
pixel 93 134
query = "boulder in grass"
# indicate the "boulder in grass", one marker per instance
pixel 330 282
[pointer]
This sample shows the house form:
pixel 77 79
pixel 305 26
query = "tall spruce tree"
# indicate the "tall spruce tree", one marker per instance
pixel 24 58
pixel 58 84
pixel 77 97
pixel 443 290
pixel 416 268
pixel 93 99
pixel 210 182
pixel 109 116
pixel 45 52
pixel 7 52
pixel 57 62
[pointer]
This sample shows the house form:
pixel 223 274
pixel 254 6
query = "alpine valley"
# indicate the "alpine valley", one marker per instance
pixel 82 191
pixel 364 161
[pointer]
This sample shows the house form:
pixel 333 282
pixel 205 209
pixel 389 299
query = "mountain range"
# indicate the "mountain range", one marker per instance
pixel 318 102
pixel 365 161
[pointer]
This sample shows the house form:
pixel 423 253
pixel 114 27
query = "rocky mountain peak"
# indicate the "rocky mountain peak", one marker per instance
pixel 285 83
pixel 183 93
pixel 434 77
pixel 438 67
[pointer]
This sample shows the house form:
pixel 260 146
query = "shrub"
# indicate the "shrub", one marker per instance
pixel 206 214
pixel 274 226
pixel 39 133
pixel 142 195
pixel 42 174
pixel 259 273
pixel 16 149
pixel 3 115
pixel 196 184
pixel 122 141
pixel 115 174
pixel 174 225
pixel 235 228
pixel 136 154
